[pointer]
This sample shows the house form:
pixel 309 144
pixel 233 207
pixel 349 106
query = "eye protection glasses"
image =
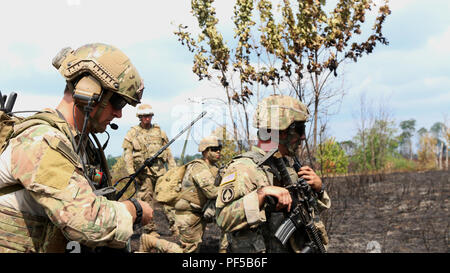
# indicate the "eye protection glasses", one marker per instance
pixel 298 127
pixel 215 149
pixel 117 101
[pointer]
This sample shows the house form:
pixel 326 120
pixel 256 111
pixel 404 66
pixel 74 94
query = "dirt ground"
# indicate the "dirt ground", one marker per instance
pixel 392 213
pixel 399 212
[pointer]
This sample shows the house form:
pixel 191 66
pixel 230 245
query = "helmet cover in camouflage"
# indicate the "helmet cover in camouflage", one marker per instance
pixel 107 64
pixel 143 110
pixel 277 112
pixel 209 141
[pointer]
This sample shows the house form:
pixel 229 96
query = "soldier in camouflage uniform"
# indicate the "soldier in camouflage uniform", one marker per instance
pixel 50 167
pixel 197 187
pixel 241 207
pixel 141 142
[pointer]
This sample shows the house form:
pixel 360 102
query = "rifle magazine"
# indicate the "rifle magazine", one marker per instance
pixel 284 232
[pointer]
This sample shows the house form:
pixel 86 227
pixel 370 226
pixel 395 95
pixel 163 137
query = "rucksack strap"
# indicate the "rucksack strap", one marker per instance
pixel 256 157
pixel 47 118
pixel 185 194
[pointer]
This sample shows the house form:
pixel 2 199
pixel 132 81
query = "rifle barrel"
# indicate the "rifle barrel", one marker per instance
pixel 149 161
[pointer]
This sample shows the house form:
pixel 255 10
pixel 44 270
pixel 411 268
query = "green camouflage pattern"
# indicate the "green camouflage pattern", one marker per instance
pixel 40 161
pixel 109 65
pixel 277 112
pixel 237 207
pixel 25 233
pixel 196 188
pixel 198 183
pixel 240 178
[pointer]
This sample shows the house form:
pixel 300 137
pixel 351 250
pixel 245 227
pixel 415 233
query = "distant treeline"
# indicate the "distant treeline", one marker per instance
pixel 113 160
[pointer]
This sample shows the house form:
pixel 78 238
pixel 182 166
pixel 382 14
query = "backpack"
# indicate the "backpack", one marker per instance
pixel 11 126
pixel 168 186
pixel 6 128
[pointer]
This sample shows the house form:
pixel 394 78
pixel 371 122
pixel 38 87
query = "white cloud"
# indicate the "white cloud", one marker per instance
pixel 439 45
pixel 437 82
pixel 30 101
pixel 49 26
pixel 396 5
pixel 172 115
pixel 44 27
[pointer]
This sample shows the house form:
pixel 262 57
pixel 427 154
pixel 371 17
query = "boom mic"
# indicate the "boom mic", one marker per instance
pixel 114 126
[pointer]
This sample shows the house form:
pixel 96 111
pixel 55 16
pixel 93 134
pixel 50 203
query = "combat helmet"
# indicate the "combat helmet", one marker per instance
pixel 209 141
pixel 106 63
pixel 144 109
pixel 278 112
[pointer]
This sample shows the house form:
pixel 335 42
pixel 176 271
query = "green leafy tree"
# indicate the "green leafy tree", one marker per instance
pixel 111 160
pixel 408 129
pixel 348 146
pixel 296 42
pixel 187 158
pixel 332 158
pixel 378 145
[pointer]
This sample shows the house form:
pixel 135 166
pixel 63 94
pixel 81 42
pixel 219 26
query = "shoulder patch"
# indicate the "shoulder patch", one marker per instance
pixel 229 178
pixel 227 195
pixel 54 170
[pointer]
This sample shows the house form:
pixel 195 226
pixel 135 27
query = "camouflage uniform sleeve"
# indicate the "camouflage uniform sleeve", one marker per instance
pixel 128 152
pixel 202 176
pixel 167 153
pixel 54 181
pixel 237 201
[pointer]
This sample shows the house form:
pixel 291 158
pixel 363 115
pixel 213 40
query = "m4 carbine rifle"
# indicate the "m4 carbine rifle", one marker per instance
pixel 151 160
pixel 304 207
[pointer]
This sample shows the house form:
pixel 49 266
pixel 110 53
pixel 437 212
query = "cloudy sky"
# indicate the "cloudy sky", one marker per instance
pixel 411 75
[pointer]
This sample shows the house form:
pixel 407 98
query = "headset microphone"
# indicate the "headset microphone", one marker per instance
pixel 114 126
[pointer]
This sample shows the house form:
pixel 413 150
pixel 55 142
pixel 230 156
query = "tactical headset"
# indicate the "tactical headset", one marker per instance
pixel 84 79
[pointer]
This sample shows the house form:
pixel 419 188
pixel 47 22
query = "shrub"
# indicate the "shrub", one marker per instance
pixel 332 158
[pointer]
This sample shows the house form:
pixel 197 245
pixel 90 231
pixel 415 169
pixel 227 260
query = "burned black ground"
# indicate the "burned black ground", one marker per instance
pixel 390 213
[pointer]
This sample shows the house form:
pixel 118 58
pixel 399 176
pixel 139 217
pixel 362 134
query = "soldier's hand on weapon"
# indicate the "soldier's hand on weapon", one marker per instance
pixel 311 178
pixel 281 194
pixel 147 211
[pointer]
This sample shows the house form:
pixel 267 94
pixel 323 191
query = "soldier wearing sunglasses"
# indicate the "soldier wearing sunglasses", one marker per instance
pixel 242 210
pixel 141 142
pixel 197 188
pixel 53 168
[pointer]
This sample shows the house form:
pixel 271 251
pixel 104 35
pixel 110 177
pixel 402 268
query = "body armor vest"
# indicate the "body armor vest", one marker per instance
pixel 260 239
pixel 23 232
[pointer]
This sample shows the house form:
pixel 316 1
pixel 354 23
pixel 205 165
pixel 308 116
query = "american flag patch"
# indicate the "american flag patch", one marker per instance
pixel 229 178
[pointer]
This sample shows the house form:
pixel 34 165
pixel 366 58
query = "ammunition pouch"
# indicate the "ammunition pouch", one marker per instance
pixel 30 233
